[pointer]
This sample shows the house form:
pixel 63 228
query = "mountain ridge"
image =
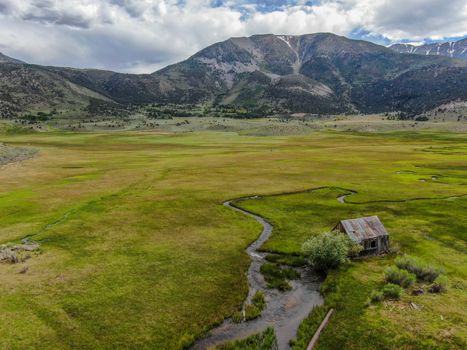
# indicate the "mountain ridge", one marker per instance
pixel 6 59
pixel 315 73
pixel 453 49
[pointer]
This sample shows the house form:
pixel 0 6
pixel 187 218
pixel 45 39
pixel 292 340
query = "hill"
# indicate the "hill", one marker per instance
pixel 26 88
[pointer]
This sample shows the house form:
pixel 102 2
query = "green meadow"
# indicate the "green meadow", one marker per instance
pixel 137 251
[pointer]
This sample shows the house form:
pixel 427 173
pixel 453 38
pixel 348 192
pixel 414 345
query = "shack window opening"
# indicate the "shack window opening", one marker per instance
pixel 373 244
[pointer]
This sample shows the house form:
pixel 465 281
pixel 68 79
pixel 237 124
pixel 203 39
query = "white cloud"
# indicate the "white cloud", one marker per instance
pixel 302 19
pixel 144 35
pixel 413 19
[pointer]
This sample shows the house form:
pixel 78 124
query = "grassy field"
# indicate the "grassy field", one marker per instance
pixel 433 229
pixel 138 252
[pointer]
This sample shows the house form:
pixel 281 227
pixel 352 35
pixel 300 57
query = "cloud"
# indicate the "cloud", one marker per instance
pixel 144 35
pixel 414 19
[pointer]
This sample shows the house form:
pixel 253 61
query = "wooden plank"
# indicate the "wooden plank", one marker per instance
pixel 321 327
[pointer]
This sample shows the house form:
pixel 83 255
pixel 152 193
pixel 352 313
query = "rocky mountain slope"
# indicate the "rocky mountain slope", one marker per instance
pixel 6 59
pixel 318 73
pixel 321 73
pixel 454 49
pixel 25 87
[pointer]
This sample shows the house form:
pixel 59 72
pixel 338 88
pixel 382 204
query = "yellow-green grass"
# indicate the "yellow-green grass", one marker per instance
pixel 138 252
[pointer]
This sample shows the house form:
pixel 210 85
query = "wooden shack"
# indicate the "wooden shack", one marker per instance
pixel 369 232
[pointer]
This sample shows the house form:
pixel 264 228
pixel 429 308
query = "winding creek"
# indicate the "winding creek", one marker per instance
pixel 284 310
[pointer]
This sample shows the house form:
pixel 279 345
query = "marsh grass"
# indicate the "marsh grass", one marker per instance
pixel 277 277
pixel 414 227
pixel 251 311
pixel 308 328
pixel 258 303
pixel 263 341
pixel 238 317
pixel 259 300
pixel 138 251
pixel 287 259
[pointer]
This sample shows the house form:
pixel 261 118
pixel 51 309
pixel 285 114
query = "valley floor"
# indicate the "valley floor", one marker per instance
pixel 137 250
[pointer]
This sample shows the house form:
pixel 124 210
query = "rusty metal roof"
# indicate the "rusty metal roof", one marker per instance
pixel 364 228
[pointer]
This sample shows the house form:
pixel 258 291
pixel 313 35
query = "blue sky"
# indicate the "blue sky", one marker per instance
pixel 263 6
pixel 145 35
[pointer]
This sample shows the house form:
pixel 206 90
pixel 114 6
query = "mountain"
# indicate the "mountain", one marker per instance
pixel 317 73
pixel 25 88
pixel 6 59
pixel 454 49
pixel 320 73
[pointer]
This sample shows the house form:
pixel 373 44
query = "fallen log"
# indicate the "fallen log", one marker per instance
pixel 321 327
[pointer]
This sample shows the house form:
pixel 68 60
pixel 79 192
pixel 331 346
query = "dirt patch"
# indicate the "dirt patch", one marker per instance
pixel 16 253
pixel 10 154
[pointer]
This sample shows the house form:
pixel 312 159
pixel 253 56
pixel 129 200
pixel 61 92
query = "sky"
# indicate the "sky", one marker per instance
pixel 141 36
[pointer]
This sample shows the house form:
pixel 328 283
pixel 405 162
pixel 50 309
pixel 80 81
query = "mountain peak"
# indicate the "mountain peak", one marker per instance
pixel 317 73
pixel 453 49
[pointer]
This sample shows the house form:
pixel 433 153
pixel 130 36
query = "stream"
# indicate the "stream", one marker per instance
pixel 284 311
pixel 341 199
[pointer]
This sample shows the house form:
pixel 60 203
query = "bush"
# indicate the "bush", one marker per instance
pixel 328 250
pixel 392 291
pixel 376 296
pixel 423 271
pixel 397 276
pixel 439 285
pixel 354 249
pixel 430 274
pixel 421 119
